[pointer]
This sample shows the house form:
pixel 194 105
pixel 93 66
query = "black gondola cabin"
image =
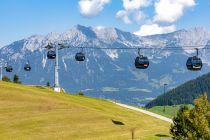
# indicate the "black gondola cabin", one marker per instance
pixel 141 62
pixel 51 54
pixel 9 68
pixel 80 56
pixel 27 67
pixel 194 63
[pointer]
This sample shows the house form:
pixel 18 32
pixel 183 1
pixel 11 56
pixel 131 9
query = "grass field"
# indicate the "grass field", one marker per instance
pixel 170 111
pixel 30 113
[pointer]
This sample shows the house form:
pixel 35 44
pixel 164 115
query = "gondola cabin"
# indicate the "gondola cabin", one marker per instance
pixel 9 68
pixel 80 56
pixel 27 67
pixel 51 54
pixel 194 63
pixel 141 62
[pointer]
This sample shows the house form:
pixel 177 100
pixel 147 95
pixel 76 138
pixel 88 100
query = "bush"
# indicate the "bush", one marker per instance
pixel 193 123
pixel 80 93
pixel 6 79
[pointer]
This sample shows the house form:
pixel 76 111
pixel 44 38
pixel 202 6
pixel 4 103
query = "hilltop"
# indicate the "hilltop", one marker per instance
pixel 38 113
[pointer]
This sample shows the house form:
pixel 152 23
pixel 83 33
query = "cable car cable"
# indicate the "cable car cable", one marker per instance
pixel 152 48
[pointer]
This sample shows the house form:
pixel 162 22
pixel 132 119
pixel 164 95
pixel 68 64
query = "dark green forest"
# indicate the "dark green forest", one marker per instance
pixel 185 93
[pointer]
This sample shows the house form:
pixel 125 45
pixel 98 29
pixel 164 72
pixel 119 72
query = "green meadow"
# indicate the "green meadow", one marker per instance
pixel 38 113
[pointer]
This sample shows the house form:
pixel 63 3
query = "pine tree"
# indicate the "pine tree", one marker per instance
pixel 48 84
pixel 180 130
pixel 16 79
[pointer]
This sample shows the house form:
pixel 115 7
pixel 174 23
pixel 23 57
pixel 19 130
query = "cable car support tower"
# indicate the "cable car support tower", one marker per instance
pixel 57 85
pixel 1 71
pixel 57 47
pixel 2 66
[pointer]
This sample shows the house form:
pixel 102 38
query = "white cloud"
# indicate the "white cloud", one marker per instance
pixel 132 8
pixel 138 16
pixel 134 4
pixel 171 10
pixel 90 8
pixel 151 29
pixel 122 14
pixel 166 11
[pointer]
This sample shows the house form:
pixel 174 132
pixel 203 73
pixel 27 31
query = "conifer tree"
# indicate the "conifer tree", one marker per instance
pixel 16 79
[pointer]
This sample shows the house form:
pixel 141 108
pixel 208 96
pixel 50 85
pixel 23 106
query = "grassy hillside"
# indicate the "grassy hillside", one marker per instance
pixel 32 113
pixel 170 111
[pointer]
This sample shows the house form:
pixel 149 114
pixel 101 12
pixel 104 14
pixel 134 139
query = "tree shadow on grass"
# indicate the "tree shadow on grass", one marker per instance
pixel 162 135
pixel 117 122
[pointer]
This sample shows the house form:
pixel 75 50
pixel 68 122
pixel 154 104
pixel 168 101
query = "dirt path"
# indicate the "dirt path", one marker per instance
pixel 146 112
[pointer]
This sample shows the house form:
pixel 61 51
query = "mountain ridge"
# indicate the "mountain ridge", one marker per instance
pixel 108 73
pixel 94 31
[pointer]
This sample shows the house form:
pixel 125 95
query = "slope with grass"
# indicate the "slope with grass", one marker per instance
pixel 39 114
pixel 170 111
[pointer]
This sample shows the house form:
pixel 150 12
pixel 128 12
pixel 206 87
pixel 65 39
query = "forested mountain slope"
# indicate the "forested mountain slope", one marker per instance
pixel 185 93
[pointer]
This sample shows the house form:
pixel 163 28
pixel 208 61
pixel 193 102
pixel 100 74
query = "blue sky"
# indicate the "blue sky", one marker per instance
pixel 23 18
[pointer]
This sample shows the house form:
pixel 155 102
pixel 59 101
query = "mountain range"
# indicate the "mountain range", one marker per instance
pixel 110 73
